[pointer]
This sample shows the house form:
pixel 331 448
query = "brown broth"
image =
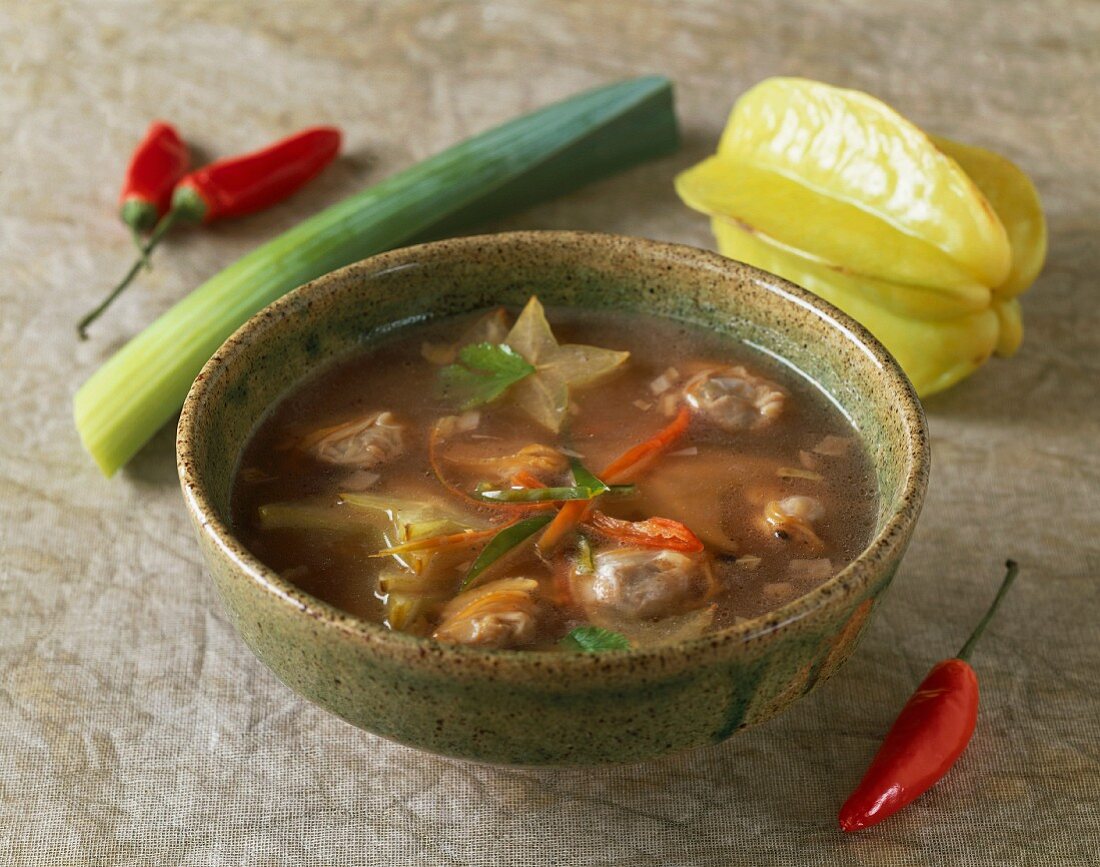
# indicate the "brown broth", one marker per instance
pixel 716 483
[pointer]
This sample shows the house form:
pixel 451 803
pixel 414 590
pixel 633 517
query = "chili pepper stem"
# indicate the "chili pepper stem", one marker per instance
pixel 139 242
pixel 165 223
pixel 1011 570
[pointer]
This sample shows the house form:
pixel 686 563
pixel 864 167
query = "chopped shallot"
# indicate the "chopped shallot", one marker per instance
pixel 683 453
pixel 670 400
pixel 450 425
pixel 643 405
pixel 779 591
pixel 468 421
pixel 439 353
pixel 810 570
pixel 254 475
pixel 360 480
pixel 749 561
pixel 833 446
pixel 798 473
pixel 295 573
pixel 665 381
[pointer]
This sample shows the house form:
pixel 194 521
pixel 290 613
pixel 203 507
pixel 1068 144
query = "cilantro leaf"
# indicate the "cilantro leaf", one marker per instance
pixel 484 372
pixel 590 639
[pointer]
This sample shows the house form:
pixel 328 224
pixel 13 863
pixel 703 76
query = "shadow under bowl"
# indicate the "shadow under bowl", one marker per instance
pixel 526 708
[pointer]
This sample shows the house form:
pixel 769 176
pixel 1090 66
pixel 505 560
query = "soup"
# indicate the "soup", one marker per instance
pixel 567 480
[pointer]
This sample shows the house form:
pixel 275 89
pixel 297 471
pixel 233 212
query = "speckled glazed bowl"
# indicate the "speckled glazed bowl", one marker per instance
pixel 516 707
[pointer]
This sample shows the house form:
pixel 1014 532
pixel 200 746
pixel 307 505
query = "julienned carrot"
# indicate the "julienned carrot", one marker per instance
pixel 568 517
pixel 526 479
pixel 638 458
pixel 618 471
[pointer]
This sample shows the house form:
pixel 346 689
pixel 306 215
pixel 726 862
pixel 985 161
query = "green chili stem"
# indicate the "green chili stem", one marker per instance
pixel 1012 569
pixel 139 242
pixel 166 222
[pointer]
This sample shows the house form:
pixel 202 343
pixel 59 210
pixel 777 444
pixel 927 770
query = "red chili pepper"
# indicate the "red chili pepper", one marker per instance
pixel 242 185
pixel 929 734
pixel 158 162
pixel 234 187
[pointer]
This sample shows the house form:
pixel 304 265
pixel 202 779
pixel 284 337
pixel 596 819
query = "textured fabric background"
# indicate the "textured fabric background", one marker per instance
pixel 136 729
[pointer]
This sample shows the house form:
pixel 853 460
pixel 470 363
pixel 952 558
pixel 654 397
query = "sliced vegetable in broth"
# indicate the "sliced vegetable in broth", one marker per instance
pixel 576 482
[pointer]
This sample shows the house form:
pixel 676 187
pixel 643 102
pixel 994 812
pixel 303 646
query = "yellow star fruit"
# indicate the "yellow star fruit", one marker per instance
pixel 925 241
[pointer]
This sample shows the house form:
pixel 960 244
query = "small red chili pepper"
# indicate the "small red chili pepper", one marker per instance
pixel 234 187
pixel 157 163
pixel 929 734
pixel 242 185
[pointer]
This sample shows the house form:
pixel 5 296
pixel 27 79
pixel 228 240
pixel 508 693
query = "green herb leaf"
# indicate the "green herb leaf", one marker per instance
pixel 591 639
pixel 485 372
pixel 585 478
pixel 503 542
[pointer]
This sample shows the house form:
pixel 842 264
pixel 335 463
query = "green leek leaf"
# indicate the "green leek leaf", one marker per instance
pixel 503 542
pixel 586 478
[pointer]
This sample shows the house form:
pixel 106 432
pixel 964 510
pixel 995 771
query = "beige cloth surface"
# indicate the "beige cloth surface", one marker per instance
pixel 135 728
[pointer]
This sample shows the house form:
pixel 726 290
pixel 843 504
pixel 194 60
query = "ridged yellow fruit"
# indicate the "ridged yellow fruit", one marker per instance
pixel 924 240
pixel 935 353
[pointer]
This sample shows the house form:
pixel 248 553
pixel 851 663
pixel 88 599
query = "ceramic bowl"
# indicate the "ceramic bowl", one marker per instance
pixel 522 708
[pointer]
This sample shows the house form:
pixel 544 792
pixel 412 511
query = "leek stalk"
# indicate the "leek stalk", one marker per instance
pixel 527 160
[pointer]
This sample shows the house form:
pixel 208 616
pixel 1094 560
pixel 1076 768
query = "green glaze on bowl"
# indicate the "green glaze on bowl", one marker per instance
pixel 516 707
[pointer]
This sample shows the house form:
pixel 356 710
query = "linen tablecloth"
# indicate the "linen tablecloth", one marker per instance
pixel 135 728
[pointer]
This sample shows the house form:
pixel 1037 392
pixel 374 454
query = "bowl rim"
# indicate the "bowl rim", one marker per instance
pixel 848 582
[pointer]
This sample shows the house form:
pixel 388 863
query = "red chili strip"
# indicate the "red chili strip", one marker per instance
pixel 651 533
